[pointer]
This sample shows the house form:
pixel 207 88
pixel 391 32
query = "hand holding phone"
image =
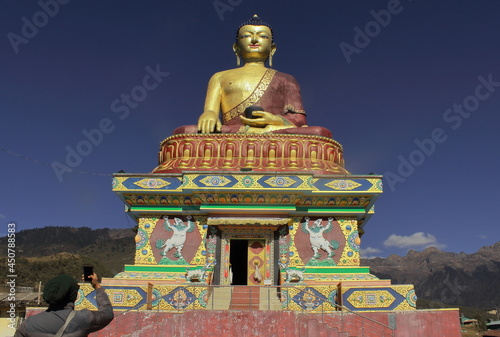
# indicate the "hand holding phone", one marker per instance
pixel 88 270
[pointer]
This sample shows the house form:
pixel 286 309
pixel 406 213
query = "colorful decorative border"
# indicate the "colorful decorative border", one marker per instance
pixel 201 254
pixel 147 182
pixel 390 298
pixel 350 255
pixel 246 181
pixel 172 298
pixel 317 299
pixel 295 260
pixel 261 197
pixel 314 299
pixel 143 250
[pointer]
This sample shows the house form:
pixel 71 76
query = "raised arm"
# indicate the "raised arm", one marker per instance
pixel 209 120
pixel 104 314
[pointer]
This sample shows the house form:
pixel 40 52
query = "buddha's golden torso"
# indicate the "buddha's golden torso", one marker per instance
pixel 235 85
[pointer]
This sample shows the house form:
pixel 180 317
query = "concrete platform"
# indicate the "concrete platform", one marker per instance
pixel 230 323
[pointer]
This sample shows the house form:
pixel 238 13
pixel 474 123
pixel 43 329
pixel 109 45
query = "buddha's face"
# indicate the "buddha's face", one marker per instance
pixel 254 43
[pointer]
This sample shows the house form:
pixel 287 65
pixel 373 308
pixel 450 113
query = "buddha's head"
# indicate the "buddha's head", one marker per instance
pixel 254 41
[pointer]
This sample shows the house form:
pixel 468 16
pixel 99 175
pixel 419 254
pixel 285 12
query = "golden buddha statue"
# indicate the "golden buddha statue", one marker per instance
pixel 253 98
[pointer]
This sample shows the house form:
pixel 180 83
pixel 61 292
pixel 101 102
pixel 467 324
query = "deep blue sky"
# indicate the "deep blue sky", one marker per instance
pixel 396 89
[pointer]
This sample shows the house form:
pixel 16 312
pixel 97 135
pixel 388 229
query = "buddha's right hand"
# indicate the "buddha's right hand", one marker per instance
pixel 209 122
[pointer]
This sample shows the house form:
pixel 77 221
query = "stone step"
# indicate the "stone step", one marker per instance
pixel 220 299
pixel 245 298
pixel 257 298
pixel 269 299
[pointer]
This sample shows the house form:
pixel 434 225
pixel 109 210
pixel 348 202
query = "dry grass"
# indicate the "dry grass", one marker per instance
pixel 470 331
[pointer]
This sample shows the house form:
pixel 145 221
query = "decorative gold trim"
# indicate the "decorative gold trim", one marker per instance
pixel 146 224
pixel 376 185
pixel 291 108
pixel 118 183
pixel 253 137
pixel 200 259
pixel 354 259
pixel 152 183
pixel 247 221
pixel 343 184
pixel 295 260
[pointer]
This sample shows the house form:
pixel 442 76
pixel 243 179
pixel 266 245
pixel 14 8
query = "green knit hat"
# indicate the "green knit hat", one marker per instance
pixel 61 289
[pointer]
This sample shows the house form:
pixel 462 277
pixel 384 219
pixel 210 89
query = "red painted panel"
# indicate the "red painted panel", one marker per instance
pixel 303 243
pixel 193 240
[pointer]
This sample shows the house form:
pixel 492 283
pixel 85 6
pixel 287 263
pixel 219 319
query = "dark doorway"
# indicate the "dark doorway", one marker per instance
pixel 238 258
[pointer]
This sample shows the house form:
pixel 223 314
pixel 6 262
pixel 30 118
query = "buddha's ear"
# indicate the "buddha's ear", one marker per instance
pixel 236 50
pixel 273 50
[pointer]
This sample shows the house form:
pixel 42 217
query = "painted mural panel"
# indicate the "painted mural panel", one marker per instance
pixel 319 241
pixel 169 241
pixel 325 241
pixel 175 240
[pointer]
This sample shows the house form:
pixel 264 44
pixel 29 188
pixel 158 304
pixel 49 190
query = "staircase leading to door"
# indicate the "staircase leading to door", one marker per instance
pixel 245 298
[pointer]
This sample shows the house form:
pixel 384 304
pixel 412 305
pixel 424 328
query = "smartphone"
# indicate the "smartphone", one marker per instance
pixel 87 271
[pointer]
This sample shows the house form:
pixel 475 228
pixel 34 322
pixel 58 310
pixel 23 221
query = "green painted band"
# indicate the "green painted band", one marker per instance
pixel 338 270
pixel 156 268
